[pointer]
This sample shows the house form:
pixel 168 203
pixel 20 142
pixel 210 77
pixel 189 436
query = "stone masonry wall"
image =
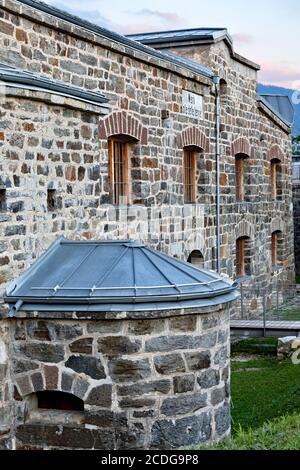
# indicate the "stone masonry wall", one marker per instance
pixel 296 203
pixel 44 144
pixel 260 214
pixel 160 383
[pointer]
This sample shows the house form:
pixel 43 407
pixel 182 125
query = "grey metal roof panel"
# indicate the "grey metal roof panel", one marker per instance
pixel 114 272
pixel 188 63
pixel 29 80
pixel 181 35
pixel 282 106
pixel 124 40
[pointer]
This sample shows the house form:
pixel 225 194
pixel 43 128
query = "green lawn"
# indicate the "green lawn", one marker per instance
pixel 280 434
pixel 263 389
pixel 265 399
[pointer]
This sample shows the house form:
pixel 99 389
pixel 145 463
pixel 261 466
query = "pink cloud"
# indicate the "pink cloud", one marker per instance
pixel 167 17
pixel 135 28
pixel 279 75
pixel 243 38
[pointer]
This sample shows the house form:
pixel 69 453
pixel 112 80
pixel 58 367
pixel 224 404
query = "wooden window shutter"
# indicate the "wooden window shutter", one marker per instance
pixel 189 176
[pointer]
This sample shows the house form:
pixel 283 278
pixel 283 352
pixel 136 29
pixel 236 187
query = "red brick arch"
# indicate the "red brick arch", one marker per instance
pixel 242 146
pixel 275 153
pixel 122 123
pixel 193 137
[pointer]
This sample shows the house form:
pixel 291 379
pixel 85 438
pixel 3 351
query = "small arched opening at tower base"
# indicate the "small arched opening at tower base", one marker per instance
pixel 51 406
pixel 196 258
pixel 223 88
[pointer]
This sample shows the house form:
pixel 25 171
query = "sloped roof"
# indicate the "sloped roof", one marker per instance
pixel 119 38
pixel 116 275
pixel 200 34
pixel 281 105
pixel 33 81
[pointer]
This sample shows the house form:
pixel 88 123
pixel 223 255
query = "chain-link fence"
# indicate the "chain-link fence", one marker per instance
pixel 277 302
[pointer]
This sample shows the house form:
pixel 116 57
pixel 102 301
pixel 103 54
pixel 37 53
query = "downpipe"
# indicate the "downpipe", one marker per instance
pixel 216 81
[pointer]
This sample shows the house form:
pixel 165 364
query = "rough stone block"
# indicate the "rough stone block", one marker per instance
pixel 100 396
pixel 183 404
pixel 169 364
pixel 88 365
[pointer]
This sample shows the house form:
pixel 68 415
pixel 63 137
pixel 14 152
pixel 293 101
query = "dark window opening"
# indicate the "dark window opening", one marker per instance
pixel 196 258
pixel 276 249
pixel 276 189
pixel 223 87
pixel 2 199
pixel 189 176
pixel 51 200
pixel 242 178
pixel 52 400
pixel 243 257
pixel 119 169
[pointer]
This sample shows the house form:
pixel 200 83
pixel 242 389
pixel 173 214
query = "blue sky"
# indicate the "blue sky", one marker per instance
pixel 266 31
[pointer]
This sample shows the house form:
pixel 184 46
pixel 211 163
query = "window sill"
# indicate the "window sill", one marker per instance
pixel 44 416
pixel 277 268
pixel 242 279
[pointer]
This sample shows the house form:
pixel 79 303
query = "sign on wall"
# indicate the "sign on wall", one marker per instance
pixel 192 104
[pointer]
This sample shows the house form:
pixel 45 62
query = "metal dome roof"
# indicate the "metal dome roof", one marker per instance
pixel 120 273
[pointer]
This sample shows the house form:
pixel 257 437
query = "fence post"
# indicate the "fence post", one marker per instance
pixel 264 315
pixel 242 301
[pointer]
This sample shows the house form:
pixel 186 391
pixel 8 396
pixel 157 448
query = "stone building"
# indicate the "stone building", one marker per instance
pixel 160 138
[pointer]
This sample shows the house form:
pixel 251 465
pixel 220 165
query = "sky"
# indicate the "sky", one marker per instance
pixel 265 31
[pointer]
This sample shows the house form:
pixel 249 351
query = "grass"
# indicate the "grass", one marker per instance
pixel 263 389
pixel 265 399
pixel 280 434
pixel 255 345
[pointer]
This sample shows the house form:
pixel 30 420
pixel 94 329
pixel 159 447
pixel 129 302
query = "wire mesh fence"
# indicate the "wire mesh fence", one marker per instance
pixel 277 302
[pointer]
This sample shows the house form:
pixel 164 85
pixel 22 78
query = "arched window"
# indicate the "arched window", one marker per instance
pixel 243 257
pixel 119 170
pixel 241 177
pixel 189 175
pixel 196 258
pixel 223 87
pixel 276 248
pixel 2 199
pixel 53 400
pixel 276 189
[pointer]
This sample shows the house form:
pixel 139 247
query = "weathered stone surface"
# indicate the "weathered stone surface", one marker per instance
pixel 80 387
pixel 66 382
pixel 184 383
pixel 136 403
pixel 183 404
pixel 106 419
pixel 65 437
pixel 126 370
pixel 222 419
pixel 222 356
pixel 144 388
pixel 197 360
pixel 172 434
pixel 100 396
pixel 118 345
pixel 41 351
pixel 169 364
pixel 82 346
pixel 218 395
pixel 183 324
pixel 169 343
pixel 51 377
pixel 104 327
pixel 131 439
pixel 209 378
pixel 37 382
pixel 24 385
pixel 90 366
pixel 19 366
pixel 146 327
